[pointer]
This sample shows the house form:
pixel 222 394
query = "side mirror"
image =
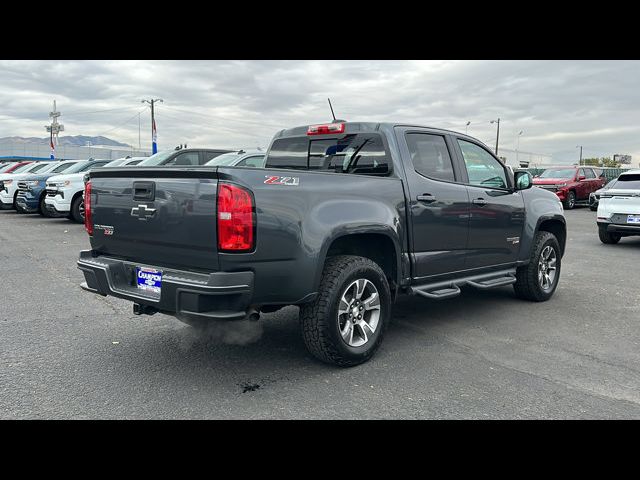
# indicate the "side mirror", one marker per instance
pixel 522 180
pixel 581 177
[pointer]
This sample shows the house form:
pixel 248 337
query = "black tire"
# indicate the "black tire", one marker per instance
pixel 76 214
pixel 608 237
pixel 593 208
pixel 570 201
pixel 527 285
pixel 15 197
pixel 42 207
pixel 319 319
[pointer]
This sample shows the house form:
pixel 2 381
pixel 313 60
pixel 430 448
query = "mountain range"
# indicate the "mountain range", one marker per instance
pixel 77 140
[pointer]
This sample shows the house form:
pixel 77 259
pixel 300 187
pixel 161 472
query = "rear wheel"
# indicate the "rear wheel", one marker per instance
pixel 570 200
pixel 77 209
pixel 537 281
pixel 608 237
pixel 345 324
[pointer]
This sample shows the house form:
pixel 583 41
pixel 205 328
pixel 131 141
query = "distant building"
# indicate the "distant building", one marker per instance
pixel 29 151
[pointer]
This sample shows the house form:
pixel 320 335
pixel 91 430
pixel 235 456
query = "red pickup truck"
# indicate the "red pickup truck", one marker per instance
pixel 571 184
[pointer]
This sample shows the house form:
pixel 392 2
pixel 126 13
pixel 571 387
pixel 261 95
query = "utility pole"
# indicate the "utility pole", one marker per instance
pixel 518 148
pixel 139 145
pixel 580 147
pixel 54 129
pixel 497 134
pixel 154 133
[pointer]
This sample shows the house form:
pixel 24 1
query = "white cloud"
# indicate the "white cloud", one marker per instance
pixel 558 104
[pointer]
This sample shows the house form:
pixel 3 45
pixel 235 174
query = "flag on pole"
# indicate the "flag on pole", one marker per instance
pixel 53 148
pixel 154 137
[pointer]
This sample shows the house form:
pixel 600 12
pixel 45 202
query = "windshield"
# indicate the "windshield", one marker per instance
pixel 23 168
pixel 116 162
pixel 63 167
pixel 157 159
pixel 38 167
pixel 224 159
pixel 627 182
pixel 558 173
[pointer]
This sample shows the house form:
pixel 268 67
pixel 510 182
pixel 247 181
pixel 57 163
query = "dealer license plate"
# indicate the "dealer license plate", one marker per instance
pixel 149 280
pixel 633 219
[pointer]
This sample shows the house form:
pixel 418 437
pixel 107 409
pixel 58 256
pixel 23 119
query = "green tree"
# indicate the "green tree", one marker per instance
pixel 594 162
pixel 607 162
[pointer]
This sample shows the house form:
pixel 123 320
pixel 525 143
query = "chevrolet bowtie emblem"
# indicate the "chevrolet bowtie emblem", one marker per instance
pixel 143 212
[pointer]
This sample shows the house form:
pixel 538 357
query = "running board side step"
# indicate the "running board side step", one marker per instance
pixel 451 288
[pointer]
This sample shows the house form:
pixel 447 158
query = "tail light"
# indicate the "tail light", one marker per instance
pixel 236 219
pixel 326 129
pixel 88 221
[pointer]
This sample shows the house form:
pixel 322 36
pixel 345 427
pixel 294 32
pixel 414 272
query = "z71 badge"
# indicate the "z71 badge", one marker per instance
pixel 275 180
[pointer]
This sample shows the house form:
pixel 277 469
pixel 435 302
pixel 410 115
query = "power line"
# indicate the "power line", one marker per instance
pixel 226 119
pixel 84 112
pixel 124 123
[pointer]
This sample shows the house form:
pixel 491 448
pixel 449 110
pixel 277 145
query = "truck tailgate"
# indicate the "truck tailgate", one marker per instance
pixel 156 216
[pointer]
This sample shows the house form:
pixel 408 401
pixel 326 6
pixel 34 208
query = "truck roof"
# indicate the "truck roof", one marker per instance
pixel 354 127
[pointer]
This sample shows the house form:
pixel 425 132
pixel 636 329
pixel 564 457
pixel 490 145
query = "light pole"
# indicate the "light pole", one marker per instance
pixel 518 148
pixel 580 147
pixel 466 129
pixel 497 134
pixel 154 133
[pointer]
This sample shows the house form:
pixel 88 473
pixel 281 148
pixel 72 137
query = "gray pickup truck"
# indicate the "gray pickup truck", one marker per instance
pixel 343 218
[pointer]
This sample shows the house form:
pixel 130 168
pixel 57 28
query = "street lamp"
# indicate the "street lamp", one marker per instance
pixel 518 148
pixel 466 129
pixel 497 134
pixel 580 147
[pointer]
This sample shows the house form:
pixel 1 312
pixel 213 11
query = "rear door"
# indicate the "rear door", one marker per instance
pixel 438 202
pixel 163 216
pixel 496 214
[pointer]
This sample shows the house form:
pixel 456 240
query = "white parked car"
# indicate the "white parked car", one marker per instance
pixel 64 192
pixel 619 208
pixel 9 181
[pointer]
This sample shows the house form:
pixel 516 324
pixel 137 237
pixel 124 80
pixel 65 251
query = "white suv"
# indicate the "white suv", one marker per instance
pixel 64 192
pixel 619 208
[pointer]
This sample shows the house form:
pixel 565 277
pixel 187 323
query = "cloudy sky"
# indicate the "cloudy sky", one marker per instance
pixel 557 104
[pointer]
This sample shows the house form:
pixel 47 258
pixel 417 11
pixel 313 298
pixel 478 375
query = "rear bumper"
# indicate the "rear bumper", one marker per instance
pixel 619 228
pixel 186 295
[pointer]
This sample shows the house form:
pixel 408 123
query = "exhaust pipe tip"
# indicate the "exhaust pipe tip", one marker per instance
pixel 139 309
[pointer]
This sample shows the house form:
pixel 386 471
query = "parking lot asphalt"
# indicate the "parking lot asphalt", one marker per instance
pixel 66 353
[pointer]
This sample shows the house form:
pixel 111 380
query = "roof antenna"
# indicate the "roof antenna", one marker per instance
pixel 333 114
pixel 331 107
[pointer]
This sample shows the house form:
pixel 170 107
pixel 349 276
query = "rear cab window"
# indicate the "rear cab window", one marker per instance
pixel 359 154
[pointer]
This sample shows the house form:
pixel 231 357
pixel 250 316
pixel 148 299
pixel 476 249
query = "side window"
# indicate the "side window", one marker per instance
pixel 589 173
pixel 288 153
pixel 186 158
pixel 483 169
pixel 255 161
pixel 430 156
pixel 208 155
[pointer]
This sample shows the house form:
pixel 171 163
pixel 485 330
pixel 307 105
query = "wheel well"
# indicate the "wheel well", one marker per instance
pixel 558 229
pixel 76 195
pixel 376 247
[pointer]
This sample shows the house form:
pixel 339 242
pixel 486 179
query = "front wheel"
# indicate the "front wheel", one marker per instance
pixel 77 209
pixel 42 207
pixel 345 324
pixel 537 281
pixel 570 200
pixel 608 237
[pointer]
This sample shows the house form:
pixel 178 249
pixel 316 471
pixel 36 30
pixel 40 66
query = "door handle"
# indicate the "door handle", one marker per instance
pixel 479 201
pixel 427 198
